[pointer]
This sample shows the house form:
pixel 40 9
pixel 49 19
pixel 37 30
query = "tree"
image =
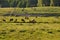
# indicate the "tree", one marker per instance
pixel 33 3
pixel 4 3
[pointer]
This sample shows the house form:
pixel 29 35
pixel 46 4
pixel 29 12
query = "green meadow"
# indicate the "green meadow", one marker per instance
pixel 45 28
pixel 30 10
pixel 29 31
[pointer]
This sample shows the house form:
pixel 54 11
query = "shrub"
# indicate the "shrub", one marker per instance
pixel 12 30
pixel 23 30
pixel 58 30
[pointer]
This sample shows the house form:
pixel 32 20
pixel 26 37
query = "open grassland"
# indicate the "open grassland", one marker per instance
pixel 45 28
pixel 29 31
pixel 30 10
pixel 37 19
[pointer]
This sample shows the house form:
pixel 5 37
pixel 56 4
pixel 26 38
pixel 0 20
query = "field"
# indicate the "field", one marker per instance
pixel 38 19
pixel 30 10
pixel 47 29
pixel 30 27
pixel 29 31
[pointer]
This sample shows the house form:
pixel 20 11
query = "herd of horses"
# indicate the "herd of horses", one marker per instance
pixel 22 20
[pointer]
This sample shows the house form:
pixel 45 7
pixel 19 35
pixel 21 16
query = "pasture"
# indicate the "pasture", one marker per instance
pixel 31 28
pixel 37 19
pixel 30 10
pixel 47 29
pixel 29 31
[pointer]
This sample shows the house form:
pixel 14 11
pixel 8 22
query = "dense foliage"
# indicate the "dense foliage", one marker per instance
pixel 28 3
pixel 18 3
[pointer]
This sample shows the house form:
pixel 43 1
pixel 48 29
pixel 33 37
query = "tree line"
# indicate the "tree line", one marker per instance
pixel 27 3
pixel 18 3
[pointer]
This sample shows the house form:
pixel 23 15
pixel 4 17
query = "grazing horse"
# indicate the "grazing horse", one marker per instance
pixel 11 20
pixel 4 20
pixel 32 21
pixel 23 20
pixel 26 17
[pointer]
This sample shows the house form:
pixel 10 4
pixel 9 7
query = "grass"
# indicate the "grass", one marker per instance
pixel 28 31
pixel 30 10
